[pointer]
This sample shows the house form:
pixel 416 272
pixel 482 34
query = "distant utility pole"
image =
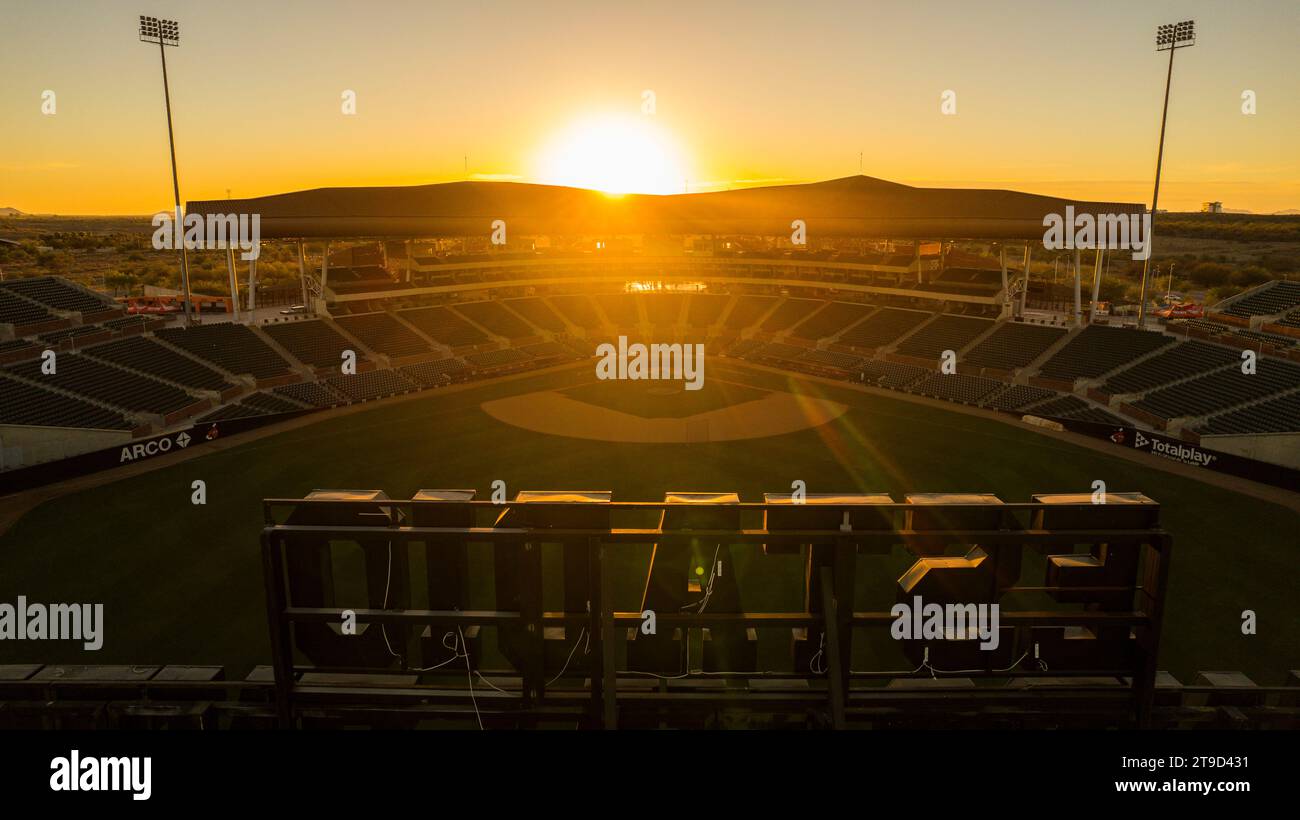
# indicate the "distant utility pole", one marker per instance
pixel 168 33
pixel 1169 37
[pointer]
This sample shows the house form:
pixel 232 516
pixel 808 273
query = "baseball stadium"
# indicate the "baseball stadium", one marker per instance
pixel 418 490
pixel 684 366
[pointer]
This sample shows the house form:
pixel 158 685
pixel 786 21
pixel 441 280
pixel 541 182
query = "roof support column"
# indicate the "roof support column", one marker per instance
pixel 1096 284
pixel 916 259
pixel 408 261
pixel 324 268
pixel 1024 291
pixel 302 276
pixel 234 281
pixel 1078 275
pixel 252 281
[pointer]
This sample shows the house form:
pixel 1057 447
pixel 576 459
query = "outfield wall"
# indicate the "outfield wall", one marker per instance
pixel 126 450
pixel 1275 448
pixel 1184 452
pixel 24 445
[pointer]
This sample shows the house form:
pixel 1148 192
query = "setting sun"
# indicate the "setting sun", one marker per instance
pixel 615 155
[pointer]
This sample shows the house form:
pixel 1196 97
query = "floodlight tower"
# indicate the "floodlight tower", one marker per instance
pixel 1169 37
pixel 168 33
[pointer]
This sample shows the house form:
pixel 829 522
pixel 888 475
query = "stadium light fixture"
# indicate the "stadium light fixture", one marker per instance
pixel 1169 37
pixel 168 33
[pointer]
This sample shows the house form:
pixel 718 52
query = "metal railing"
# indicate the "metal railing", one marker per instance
pixel 607 689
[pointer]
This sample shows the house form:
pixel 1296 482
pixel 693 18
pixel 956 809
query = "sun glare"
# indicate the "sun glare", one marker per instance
pixel 615 155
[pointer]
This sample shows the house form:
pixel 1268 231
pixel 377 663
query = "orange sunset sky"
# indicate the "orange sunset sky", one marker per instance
pixel 1052 97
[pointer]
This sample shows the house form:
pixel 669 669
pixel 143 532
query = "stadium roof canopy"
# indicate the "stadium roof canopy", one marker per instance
pixel 857 206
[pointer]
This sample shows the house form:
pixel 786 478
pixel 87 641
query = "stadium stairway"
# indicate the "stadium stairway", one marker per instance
pixel 606 328
pixel 1151 354
pixel 241 379
pixel 994 326
pixel 501 341
pixel 362 349
pixel 571 329
pixel 302 369
pixel 755 327
pixel 834 338
pixel 441 349
pixel 723 315
pixel 893 346
pixel 1034 367
pixel 542 332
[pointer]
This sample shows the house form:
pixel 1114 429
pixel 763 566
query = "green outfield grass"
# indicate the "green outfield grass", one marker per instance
pixel 182 583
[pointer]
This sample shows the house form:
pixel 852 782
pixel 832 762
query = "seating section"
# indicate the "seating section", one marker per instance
pixel 1276 298
pixel 1018 397
pixel 233 348
pixel 383 334
pixel 831 320
pixel 1178 362
pixel 433 374
pixel 893 375
pixel 269 403
pixel 442 325
pixel 1267 338
pixel 84 376
pixel 58 294
pixel 748 310
pixel 832 358
pixel 777 351
pixel 619 308
pixel 789 313
pixel 154 359
pixel 1278 415
pixel 1099 349
pixel 257 404
pixel 1013 345
pixel 1221 390
pixel 102 385
pixel 956 387
pixel 882 327
pixel 314 394
pixel 537 311
pixel 54 337
pixel 547 350
pixel 312 342
pixel 664 309
pixel 231 411
pixel 703 309
pixel 371 384
pixel 123 323
pixel 1073 407
pixel 972 281
pixel 496 319
pixel 496 358
pixel 22 403
pixel 945 333
pixel 15 311
pixel 577 308
pixel 18 344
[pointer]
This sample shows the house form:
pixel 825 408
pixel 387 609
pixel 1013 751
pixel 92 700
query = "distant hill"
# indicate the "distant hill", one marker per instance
pixel 10 212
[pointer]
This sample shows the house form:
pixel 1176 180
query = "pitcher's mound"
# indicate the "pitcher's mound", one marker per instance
pixel 554 413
